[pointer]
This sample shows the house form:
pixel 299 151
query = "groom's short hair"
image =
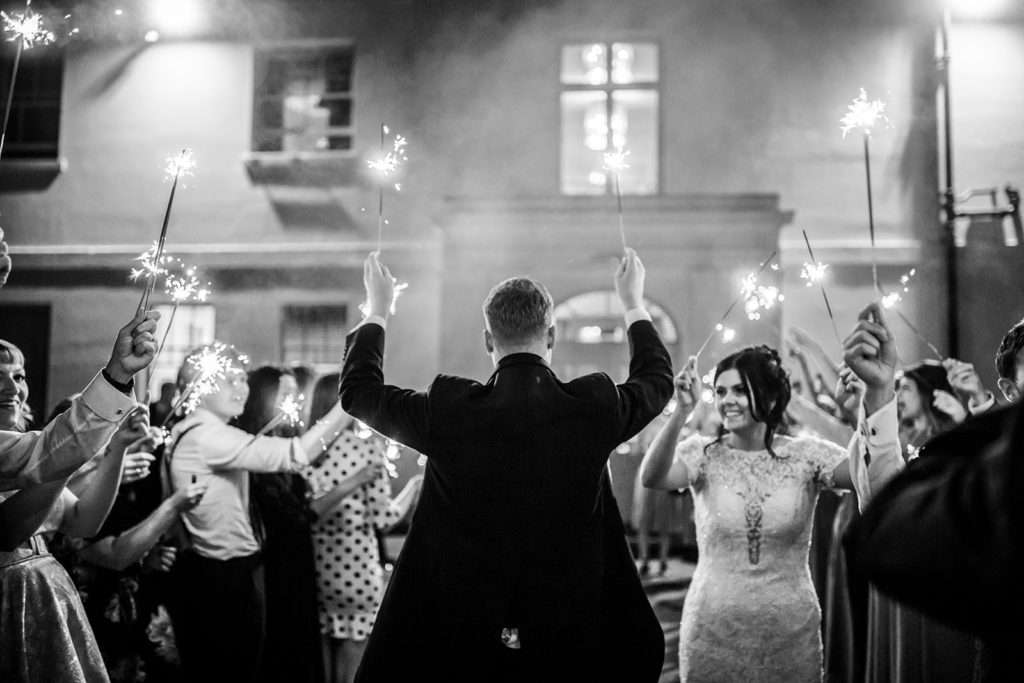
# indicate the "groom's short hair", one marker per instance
pixel 518 311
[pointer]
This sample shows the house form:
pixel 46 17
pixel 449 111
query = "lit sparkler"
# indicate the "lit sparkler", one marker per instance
pixel 615 162
pixel 814 272
pixel 182 288
pixel 289 412
pixel 211 366
pixel 865 115
pixel 177 167
pixel 890 301
pixel 764 298
pixel 28 30
pixel 385 166
pixel 363 430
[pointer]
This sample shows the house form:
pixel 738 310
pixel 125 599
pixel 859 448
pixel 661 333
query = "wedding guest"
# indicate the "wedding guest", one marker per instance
pixel 217 602
pixel 1010 363
pixel 280 502
pixel 926 405
pixel 44 631
pixel 61 447
pixel 353 504
pixel 945 537
pixel 656 514
pixel 751 612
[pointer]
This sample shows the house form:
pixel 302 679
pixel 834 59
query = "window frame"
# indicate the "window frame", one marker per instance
pixel 13 145
pixel 299 45
pixel 347 308
pixel 608 89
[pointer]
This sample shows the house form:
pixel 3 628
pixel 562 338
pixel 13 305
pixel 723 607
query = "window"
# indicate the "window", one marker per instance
pixel 191 326
pixel 609 102
pixel 303 99
pixel 314 335
pixel 33 131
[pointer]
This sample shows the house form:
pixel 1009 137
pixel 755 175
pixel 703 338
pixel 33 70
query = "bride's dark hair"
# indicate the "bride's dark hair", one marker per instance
pixel 766 383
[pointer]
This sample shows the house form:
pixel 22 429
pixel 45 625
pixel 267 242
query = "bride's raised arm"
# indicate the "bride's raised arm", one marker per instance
pixel 660 468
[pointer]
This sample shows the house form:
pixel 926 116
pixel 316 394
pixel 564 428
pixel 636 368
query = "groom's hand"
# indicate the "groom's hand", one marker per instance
pixel 629 281
pixel 380 286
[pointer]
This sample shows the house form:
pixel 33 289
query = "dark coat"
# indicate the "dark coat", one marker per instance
pixel 516 525
pixel 945 536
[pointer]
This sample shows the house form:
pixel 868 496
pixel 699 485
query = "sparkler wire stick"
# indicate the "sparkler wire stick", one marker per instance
pixel 181 399
pixel 167 331
pixel 913 328
pixel 824 294
pixel 618 202
pixel 380 196
pixel 148 290
pixel 739 297
pixel 10 90
pixel 871 210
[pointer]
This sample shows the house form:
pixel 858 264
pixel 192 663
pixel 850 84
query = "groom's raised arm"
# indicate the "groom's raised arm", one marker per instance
pixel 649 386
pixel 401 414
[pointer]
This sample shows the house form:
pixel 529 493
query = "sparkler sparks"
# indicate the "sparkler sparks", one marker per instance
pixel 291 409
pixel 151 266
pixel 762 298
pixel 813 273
pixel 758 297
pixel 211 364
pixel 386 165
pixel 616 163
pixel 863 114
pixel 28 27
pixel 180 165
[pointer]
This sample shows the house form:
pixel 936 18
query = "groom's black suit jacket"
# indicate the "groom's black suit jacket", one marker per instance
pixel 516 525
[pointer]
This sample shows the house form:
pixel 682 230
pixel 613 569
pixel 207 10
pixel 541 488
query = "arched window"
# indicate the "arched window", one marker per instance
pixel 596 318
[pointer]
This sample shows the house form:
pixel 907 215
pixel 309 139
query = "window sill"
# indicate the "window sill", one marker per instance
pixel 28 175
pixel 323 169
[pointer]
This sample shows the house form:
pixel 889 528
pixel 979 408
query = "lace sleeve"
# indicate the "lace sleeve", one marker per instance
pixel 822 458
pixel 691 451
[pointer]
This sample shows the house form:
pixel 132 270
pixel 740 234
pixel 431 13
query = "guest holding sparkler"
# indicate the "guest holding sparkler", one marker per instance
pixel 218 595
pixel 119 572
pixel 352 501
pixel 283 520
pixel 751 612
pixel 44 632
pixel 64 445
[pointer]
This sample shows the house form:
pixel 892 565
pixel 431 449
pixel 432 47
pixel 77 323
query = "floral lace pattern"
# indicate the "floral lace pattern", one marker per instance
pixel 751 612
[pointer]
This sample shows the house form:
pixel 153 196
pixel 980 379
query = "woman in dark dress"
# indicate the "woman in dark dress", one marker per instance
pixel 280 503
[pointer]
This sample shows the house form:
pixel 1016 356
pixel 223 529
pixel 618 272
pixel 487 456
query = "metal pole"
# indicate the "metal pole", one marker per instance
pixel 949 196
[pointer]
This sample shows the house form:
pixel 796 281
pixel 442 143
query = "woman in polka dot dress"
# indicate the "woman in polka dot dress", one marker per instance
pixel 352 498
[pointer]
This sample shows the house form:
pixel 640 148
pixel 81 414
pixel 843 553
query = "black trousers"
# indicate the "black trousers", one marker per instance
pixel 218 611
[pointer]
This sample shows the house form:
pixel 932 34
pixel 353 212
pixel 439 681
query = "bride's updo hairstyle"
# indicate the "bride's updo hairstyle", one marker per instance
pixel 767 384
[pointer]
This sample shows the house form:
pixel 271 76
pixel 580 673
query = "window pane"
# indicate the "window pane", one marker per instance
pixel 584 140
pixel 635 127
pixel 585 64
pixel 305 123
pixel 193 326
pixel 339 142
pixel 339 112
pixel 339 71
pixel 634 63
pixel 313 334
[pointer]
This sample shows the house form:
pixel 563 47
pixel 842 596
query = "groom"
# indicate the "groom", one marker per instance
pixel 515 567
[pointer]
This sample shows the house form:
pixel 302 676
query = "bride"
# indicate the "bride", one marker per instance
pixel 751 613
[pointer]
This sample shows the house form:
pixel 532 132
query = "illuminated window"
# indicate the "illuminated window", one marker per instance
pixel 314 335
pixel 609 102
pixel 33 131
pixel 191 326
pixel 303 99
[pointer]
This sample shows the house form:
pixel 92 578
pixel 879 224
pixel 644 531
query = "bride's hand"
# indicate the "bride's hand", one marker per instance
pixel 688 385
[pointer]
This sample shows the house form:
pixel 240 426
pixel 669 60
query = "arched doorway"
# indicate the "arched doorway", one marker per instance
pixel 591 334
